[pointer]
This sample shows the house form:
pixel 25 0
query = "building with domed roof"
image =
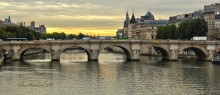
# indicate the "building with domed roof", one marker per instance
pixel 6 22
pixel 147 17
pixel 143 28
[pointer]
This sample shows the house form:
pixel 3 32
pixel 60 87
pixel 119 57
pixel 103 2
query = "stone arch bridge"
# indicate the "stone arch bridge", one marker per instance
pixel 169 49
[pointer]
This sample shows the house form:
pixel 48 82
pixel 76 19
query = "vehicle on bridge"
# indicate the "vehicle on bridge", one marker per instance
pixel 199 38
pixel 85 38
pixel 16 39
pixel 50 39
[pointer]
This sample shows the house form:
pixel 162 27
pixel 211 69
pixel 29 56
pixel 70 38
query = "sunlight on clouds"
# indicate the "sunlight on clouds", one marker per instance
pixel 101 32
pixel 86 17
pixel 2 4
pixel 39 2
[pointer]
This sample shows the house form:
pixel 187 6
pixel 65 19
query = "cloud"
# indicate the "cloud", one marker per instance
pixel 107 15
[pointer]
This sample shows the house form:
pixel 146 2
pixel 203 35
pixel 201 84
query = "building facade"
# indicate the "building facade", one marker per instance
pixel 40 29
pixel 209 16
pixel 217 24
pixel 6 22
pixel 210 19
pixel 143 28
pixel 120 33
pixel 147 29
pixel 208 13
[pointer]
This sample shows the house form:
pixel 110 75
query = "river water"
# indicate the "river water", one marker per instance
pixel 112 75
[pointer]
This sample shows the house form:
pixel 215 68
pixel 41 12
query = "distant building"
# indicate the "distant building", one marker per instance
pixel 126 24
pixel 143 28
pixel 176 20
pixel 40 29
pixel 217 24
pixel 197 14
pixel 21 24
pixel 208 13
pixel 120 33
pixel 147 17
pixel 147 29
pixel 7 22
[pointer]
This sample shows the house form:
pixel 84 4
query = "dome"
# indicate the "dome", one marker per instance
pixel 148 16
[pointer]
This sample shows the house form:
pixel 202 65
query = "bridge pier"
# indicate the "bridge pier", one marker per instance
pixel 93 55
pixel 55 55
pixel 16 54
pixel 135 55
pixel 173 56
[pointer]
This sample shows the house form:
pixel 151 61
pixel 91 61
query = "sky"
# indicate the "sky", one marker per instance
pixel 92 17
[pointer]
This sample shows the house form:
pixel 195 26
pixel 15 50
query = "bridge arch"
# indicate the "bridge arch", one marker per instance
pixel 83 48
pixel 200 52
pixel 163 51
pixel 217 51
pixel 3 51
pixel 124 48
pixel 22 51
pixel 8 51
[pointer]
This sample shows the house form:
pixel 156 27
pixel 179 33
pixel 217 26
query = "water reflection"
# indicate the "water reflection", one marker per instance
pixel 106 57
pixel 115 77
pixel 73 56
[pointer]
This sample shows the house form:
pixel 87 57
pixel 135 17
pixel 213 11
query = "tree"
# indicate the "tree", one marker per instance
pixel 80 36
pixel 63 36
pixel 181 30
pixel 201 27
pixel 71 36
pixel 159 33
pixel 43 36
pixel 4 35
pixel 186 30
pixel 173 30
pixel 30 36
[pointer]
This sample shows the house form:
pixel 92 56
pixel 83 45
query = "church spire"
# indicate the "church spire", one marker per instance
pixel 133 19
pixel 127 20
pixel 127 13
pixel 9 19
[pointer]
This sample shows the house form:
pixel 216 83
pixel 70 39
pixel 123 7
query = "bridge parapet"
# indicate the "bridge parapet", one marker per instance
pixel 169 48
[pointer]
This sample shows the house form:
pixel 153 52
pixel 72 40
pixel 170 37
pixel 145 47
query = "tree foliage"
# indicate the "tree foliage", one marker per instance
pixel 185 30
pixel 71 36
pixel 24 32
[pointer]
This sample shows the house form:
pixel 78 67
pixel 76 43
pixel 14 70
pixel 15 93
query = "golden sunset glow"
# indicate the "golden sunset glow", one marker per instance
pixel 90 32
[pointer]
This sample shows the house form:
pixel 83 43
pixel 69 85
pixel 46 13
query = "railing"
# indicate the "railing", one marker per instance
pixel 113 41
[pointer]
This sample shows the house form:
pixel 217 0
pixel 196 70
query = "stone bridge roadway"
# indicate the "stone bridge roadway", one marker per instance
pixel 169 49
